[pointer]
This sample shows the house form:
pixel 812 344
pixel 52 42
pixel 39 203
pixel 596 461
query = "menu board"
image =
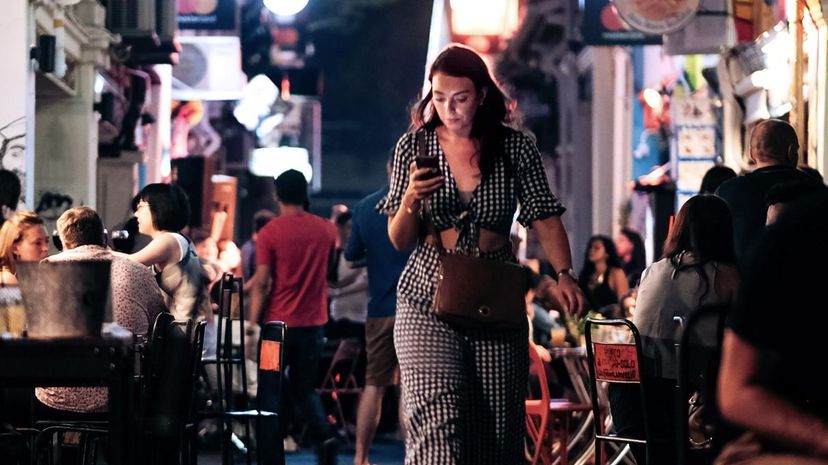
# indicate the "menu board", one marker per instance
pixel 696 140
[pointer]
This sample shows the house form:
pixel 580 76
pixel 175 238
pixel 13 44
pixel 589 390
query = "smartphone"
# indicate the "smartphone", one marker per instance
pixel 428 162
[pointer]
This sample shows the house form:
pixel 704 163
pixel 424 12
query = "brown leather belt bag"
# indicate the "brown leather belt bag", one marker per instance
pixel 476 292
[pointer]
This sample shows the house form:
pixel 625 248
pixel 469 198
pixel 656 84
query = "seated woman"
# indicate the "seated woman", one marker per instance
pixel 162 213
pixel 697 269
pixel 22 238
pixel 602 278
pixel 630 247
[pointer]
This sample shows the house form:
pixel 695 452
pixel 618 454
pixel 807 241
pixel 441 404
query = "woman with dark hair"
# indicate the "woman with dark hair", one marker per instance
pixel 630 248
pixel 602 279
pixel 163 210
pixel 714 177
pixel 464 388
pixel 698 269
pixel 10 189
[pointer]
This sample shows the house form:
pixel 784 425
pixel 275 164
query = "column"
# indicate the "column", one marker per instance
pixel 17 95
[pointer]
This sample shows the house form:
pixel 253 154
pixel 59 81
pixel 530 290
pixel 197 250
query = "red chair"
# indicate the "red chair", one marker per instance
pixel 547 418
pixel 340 378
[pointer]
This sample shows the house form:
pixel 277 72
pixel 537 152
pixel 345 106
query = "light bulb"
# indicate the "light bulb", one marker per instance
pixel 285 7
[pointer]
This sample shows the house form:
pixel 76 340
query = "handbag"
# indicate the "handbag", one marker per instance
pixel 476 292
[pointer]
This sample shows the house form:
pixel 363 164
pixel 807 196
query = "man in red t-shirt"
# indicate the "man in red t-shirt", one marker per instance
pixel 290 284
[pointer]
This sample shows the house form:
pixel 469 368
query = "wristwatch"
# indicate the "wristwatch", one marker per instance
pixel 569 272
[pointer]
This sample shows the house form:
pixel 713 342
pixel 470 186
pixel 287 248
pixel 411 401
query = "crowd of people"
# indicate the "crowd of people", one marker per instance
pixel 373 273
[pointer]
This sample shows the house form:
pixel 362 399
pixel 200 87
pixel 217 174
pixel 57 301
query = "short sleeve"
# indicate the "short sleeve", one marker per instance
pixel 404 154
pixel 264 248
pixel 536 200
pixel 356 244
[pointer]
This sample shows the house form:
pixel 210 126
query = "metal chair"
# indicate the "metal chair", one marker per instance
pixel 616 362
pixel 699 352
pixel 164 401
pixel 542 415
pixel 340 377
pixel 231 361
pixel 189 450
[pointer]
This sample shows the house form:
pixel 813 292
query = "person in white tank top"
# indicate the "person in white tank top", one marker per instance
pixel 162 212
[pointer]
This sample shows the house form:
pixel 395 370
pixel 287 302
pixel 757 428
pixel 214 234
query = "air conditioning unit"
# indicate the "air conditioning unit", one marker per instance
pixel 209 68
pixel 132 19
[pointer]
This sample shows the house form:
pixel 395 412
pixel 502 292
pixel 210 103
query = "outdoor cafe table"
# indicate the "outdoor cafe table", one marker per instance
pixel 89 361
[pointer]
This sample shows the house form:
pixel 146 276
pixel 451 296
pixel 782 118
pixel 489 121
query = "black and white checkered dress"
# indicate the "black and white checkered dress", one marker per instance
pixel 464 389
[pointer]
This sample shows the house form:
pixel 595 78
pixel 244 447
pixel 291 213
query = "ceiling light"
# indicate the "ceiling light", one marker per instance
pixel 285 7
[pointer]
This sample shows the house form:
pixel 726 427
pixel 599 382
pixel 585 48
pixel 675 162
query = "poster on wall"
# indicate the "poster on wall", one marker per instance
pixel 207 14
pixel 696 140
pixel 603 26
pixel 13 149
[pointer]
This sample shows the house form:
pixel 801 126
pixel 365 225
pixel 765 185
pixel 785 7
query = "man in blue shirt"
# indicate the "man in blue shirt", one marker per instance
pixel 369 243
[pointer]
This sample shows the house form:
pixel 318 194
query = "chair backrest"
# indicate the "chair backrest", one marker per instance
pixel 614 357
pixel 698 368
pixel 170 382
pixel 230 344
pixel 341 371
pixel 271 352
pixel 537 365
pixel 269 391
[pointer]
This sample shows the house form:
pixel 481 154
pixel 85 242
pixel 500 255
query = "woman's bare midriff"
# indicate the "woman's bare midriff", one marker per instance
pixel 489 240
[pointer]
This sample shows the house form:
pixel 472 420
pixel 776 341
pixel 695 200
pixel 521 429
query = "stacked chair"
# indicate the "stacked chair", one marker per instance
pixel 340 377
pixel 231 370
pixel 698 368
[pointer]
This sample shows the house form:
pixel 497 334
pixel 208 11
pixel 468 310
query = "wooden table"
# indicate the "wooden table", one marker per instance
pixel 92 361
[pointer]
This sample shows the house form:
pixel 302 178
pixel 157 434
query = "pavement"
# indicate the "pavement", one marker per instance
pixel 386 450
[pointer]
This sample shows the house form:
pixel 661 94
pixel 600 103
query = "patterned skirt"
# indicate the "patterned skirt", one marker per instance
pixel 463 390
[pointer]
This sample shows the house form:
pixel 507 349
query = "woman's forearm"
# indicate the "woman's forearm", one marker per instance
pixel 403 227
pixel 555 242
pixel 740 394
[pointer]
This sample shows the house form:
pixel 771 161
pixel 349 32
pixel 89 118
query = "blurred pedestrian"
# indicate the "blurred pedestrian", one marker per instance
pixel 774 150
pixel 292 255
pixel 714 177
pixel 768 382
pixel 369 244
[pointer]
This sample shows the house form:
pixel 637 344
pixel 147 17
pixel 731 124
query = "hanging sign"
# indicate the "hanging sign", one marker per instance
pixel 207 14
pixel 603 26
pixel 657 16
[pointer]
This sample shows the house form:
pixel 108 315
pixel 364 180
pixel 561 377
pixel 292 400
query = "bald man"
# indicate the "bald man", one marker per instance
pixel 774 152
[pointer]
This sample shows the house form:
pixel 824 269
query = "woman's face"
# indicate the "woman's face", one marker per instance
pixel 33 246
pixel 597 251
pixel 142 212
pixel 456 101
pixel 623 245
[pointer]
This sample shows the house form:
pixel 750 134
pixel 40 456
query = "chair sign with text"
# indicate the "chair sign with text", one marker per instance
pixel 616 363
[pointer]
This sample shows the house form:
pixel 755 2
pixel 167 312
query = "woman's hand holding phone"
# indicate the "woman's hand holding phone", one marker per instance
pixel 423 180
